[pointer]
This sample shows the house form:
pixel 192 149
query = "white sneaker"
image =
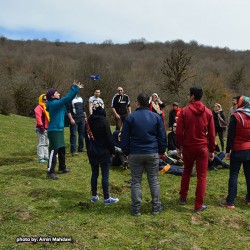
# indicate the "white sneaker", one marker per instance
pixel 110 200
pixel 94 198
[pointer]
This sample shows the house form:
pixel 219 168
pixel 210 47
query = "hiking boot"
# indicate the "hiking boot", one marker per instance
pixel 52 176
pixel 64 171
pixel 155 212
pixel 74 153
pixel 94 198
pixel 110 200
pixel 182 202
pixel 227 204
pixel 204 207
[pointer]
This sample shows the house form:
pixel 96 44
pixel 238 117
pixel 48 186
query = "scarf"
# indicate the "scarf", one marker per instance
pixel 243 107
pixel 43 104
pixel 88 130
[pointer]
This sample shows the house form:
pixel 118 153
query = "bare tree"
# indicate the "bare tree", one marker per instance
pixel 237 79
pixel 175 71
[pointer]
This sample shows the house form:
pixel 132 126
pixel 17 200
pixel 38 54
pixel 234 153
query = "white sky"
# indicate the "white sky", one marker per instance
pixel 222 23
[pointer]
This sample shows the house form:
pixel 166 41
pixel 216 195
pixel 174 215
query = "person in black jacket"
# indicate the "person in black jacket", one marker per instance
pixel 76 116
pixel 100 147
pixel 173 114
pixel 220 123
pixel 172 151
pixel 121 107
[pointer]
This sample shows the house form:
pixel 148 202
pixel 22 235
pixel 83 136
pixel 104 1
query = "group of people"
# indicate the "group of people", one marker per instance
pixel 143 141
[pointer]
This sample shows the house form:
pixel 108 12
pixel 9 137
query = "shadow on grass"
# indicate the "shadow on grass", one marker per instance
pixel 15 160
pixel 31 172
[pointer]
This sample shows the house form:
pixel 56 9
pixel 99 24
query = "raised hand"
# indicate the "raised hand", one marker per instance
pixel 79 84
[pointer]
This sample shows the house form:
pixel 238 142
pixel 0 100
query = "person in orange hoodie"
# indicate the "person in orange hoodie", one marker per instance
pixel 195 143
pixel 42 121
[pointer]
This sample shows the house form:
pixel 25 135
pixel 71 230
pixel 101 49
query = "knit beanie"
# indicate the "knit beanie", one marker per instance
pixel 50 93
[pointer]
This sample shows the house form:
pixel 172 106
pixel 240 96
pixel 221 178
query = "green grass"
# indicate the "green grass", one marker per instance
pixel 31 205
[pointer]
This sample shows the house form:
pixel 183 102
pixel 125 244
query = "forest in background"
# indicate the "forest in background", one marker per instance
pixel 30 68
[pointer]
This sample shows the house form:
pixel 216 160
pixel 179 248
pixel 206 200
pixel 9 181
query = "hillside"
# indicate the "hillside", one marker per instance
pixel 29 68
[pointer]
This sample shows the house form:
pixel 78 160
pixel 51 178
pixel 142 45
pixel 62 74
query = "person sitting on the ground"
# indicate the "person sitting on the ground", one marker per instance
pixel 166 168
pixel 172 151
pixel 119 158
pixel 170 160
pixel 218 160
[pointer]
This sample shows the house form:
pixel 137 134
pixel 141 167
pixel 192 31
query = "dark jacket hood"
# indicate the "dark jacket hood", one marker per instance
pixel 197 107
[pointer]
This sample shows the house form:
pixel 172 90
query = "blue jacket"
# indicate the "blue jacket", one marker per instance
pixel 143 132
pixel 57 110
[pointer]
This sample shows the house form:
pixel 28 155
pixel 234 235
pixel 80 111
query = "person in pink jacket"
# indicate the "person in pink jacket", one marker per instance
pixel 42 121
pixel 195 142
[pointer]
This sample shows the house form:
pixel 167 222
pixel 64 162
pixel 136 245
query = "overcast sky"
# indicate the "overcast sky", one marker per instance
pixel 217 23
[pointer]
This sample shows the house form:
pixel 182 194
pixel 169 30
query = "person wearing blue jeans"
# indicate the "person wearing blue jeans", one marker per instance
pixel 76 116
pixel 238 150
pixel 100 147
pixel 235 165
pixel 95 167
pixel 79 128
pixel 218 161
pixel 166 168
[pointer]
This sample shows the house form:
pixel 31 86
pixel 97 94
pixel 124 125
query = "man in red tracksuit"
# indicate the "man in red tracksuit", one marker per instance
pixel 195 142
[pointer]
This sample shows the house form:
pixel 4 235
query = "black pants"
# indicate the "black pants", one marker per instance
pixel 52 160
pixel 221 137
pixel 120 121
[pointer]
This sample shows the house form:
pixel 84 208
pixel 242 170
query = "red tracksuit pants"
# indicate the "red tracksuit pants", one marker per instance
pixel 190 156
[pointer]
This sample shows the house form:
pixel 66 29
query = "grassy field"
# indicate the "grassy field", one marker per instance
pixel 33 206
